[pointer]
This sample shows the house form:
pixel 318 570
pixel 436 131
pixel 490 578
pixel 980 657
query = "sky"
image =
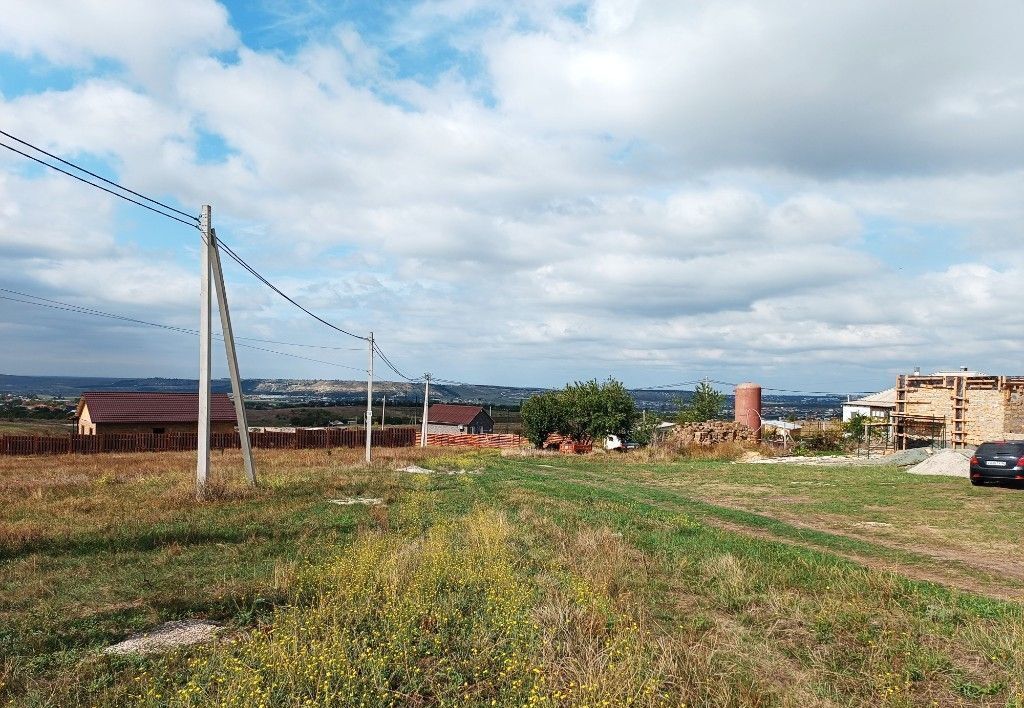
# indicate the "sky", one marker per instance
pixel 815 196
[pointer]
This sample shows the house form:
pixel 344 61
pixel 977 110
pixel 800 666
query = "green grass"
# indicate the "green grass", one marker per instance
pixel 553 581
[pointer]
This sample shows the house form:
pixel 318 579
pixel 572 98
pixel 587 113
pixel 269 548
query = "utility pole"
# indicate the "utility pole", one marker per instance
pixel 383 407
pixel 426 403
pixel 205 336
pixel 211 267
pixel 369 400
pixel 229 351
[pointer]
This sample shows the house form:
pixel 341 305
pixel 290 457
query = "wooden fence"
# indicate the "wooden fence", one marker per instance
pixel 479 440
pixel 75 444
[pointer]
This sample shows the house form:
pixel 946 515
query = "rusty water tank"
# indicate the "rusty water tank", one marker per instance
pixel 748 406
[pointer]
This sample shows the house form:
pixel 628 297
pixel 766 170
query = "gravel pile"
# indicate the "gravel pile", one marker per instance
pixel 905 458
pixel 169 635
pixel 809 460
pixel 416 469
pixel 948 463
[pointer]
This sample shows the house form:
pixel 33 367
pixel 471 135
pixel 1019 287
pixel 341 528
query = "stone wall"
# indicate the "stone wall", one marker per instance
pixel 986 414
pixel 712 432
pixel 930 401
pixel 1013 422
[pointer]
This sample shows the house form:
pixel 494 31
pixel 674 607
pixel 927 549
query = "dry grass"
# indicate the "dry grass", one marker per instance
pixel 671 450
pixel 580 581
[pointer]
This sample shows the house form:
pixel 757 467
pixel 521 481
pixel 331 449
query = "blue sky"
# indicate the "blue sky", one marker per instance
pixel 814 198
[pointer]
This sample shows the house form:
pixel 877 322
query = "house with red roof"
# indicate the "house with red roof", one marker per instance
pixel 141 412
pixel 450 418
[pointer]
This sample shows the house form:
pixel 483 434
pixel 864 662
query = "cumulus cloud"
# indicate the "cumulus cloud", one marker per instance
pixel 646 189
pixel 146 38
pixel 822 88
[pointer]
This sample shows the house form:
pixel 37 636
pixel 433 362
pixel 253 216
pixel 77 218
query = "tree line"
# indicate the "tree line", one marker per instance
pixel 588 410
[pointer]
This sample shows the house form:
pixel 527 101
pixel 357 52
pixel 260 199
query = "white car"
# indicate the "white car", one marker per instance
pixel 614 442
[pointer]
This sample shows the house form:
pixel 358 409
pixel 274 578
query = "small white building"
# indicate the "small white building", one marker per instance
pixel 877 405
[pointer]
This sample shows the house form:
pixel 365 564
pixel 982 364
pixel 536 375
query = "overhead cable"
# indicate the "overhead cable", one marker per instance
pixel 193 223
pixel 99 177
pixel 56 305
pixel 99 186
pixel 392 366
pixel 256 274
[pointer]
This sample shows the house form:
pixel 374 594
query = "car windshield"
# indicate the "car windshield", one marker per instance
pixel 1000 450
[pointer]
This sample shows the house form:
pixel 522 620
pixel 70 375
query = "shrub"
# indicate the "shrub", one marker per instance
pixel 825 440
pixel 706 404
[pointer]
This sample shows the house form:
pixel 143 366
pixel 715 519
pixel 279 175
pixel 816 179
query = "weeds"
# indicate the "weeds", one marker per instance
pixel 591 581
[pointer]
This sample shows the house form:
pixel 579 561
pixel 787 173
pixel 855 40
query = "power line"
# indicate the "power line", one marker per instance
pixel 98 186
pixel 392 366
pixel 57 305
pixel 100 177
pixel 90 310
pixel 256 274
pixel 192 224
pixel 763 388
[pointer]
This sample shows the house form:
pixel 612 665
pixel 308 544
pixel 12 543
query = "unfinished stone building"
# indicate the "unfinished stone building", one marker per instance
pixel 957 409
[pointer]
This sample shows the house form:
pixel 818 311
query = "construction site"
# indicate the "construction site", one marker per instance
pixel 955 409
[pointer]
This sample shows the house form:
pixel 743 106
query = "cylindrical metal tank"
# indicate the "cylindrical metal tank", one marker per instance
pixel 748 406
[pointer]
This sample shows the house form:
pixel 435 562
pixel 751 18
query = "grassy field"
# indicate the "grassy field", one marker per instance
pixel 509 580
pixel 35 427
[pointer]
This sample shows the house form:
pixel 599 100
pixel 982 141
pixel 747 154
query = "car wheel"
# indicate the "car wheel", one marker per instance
pixel 977 482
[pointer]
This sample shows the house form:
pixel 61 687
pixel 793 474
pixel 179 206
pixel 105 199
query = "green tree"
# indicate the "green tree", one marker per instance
pixel 542 415
pixel 706 404
pixel 854 427
pixel 643 430
pixel 592 410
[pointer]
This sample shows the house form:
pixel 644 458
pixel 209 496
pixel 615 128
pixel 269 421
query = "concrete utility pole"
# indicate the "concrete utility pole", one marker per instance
pixel 383 407
pixel 210 260
pixel 205 336
pixel 229 351
pixel 369 400
pixel 426 404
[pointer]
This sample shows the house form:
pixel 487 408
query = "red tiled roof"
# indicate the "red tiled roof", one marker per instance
pixel 453 414
pixel 137 407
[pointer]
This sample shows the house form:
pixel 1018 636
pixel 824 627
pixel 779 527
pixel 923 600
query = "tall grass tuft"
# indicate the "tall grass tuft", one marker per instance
pixel 442 620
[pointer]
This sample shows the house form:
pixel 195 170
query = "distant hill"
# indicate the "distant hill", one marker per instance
pixel 304 389
pixel 352 392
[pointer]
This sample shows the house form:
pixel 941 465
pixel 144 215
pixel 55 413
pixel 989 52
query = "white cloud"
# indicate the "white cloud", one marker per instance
pixel 822 88
pixel 31 225
pixel 146 37
pixel 661 187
